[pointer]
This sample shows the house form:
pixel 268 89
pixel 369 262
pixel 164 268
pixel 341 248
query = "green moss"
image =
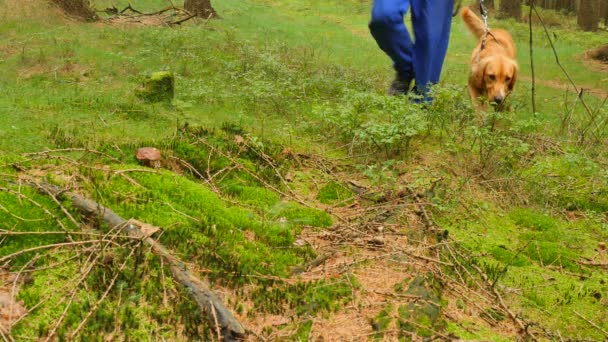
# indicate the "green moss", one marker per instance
pixel 334 193
pixel 551 253
pixel 160 86
pixel 296 214
pixel 255 196
pixel 306 298
pixel 508 257
pixel 527 218
pixel 382 321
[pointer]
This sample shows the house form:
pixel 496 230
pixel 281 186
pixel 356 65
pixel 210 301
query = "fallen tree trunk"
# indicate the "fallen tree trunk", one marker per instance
pixel 216 312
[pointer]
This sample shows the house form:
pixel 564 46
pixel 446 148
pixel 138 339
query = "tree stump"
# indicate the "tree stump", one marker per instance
pixel 160 86
pixel 588 15
pixel 80 9
pixel 201 8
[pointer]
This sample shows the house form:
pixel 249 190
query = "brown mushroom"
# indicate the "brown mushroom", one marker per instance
pixel 149 156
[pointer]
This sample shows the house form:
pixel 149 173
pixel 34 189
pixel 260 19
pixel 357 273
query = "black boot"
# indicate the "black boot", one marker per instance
pixel 400 86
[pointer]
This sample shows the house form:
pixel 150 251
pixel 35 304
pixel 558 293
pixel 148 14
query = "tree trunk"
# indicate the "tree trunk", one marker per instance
pixel 80 9
pixel 510 9
pixel 202 8
pixel 588 15
pixel 604 11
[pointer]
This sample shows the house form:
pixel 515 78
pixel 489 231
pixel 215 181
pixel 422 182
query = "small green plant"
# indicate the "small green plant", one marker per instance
pixel 375 122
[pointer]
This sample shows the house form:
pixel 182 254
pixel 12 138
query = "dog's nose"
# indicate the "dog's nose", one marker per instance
pixel 498 99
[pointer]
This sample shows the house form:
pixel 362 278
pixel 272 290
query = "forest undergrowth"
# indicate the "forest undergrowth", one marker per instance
pixel 311 204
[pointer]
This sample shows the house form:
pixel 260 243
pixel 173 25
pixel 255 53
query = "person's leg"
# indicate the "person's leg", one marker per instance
pixel 431 20
pixel 388 29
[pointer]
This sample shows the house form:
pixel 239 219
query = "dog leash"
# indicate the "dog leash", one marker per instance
pixel 484 16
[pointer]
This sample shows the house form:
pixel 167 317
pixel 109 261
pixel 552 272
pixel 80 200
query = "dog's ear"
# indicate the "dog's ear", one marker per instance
pixel 478 73
pixel 514 77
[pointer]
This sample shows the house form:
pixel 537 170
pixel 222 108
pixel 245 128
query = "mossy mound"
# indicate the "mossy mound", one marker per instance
pixel 160 86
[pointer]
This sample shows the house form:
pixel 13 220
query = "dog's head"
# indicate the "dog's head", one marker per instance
pixel 496 77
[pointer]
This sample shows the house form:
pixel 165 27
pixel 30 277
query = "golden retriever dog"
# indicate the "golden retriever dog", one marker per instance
pixel 494 69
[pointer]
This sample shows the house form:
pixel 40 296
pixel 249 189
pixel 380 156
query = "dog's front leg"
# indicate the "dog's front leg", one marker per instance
pixel 478 104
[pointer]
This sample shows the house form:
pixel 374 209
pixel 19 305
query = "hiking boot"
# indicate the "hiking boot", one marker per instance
pixel 399 86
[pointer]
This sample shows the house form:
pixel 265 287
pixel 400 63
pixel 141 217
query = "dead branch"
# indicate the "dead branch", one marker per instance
pixel 103 297
pixel 179 22
pixel 46 211
pixel 591 323
pixel 207 301
pixel 504 306
pixel 579 92
pixel 55 245
pixel 597 264
pixel 86 270
pixel 87 150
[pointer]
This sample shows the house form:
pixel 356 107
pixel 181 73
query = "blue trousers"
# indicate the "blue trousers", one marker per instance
pixel 423 58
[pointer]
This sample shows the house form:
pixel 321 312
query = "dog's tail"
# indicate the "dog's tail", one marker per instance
pixel 473 22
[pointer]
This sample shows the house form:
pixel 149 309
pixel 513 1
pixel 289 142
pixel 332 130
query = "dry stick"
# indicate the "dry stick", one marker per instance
pixel 178 22
pixel 6 338
pixel 181 213
pixel 105 294
pixel 63 209
pixel 197 289
pixel 14 289
pixel 19 217
pixel 46 211
pixel 268 160
pixel 598 264
pixel 603 124
pixel 47 297
pixel 51 266
pixel 504 306
pixel 578 92
pixel 11 233
pixel 72 292
pixel 189 166
pixel 593 324
pixel 252 174
pixel 88 267
pixel 55 245
pixel 46 152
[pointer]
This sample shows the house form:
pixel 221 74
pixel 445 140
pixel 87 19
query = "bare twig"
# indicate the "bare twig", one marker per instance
pixel 179 22
pixel 55 245
pixel 87 150
pixel 578 91
pixel 103 297
pixel 504 306
pixel 592 324
pixel 32 201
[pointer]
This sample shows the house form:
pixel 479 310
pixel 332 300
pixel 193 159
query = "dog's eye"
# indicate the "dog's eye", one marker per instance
pixel 492 77
pixel 508 79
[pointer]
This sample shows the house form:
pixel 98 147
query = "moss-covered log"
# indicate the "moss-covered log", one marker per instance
pixel 211 306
